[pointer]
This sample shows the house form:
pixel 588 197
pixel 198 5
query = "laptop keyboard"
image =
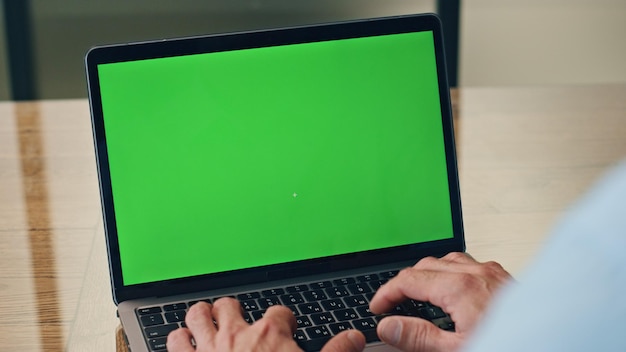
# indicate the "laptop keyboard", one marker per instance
pixel 322 310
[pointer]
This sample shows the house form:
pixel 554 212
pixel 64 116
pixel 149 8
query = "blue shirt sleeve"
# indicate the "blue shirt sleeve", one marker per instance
pixel 573 296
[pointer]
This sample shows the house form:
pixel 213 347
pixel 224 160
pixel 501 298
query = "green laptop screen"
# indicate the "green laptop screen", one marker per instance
pixel 247 158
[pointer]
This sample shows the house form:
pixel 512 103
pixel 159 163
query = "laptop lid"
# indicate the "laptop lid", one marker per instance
pixel 247 157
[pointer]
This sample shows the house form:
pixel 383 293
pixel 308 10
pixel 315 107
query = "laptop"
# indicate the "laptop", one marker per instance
pixel 301 166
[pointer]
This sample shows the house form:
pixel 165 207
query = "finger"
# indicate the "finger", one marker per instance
pixel 453 262
pixel 346 341
pixel 414 334
pixel 463 263
pixel 179 340
pixel 228 314
pixel 199 320
pixel 457 263
pixel 459 257
pixel 282 318
pixel 422 285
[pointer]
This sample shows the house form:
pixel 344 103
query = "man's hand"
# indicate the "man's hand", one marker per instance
pixel 458 284
pixel 220 327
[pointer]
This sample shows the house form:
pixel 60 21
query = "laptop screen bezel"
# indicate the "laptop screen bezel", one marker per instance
pixel 257 39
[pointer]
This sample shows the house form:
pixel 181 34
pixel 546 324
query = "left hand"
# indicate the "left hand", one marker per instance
pixel 230 332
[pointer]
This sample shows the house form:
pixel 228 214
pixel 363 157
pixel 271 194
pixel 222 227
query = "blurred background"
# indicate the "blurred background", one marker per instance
pixel 501 42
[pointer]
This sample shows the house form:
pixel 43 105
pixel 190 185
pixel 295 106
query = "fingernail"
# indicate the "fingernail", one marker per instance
pixel 390 331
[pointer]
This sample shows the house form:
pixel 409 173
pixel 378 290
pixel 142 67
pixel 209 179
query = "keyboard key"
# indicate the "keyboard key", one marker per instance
pixel 355 301
pixel 399 310
pixel 174 306
pixel 364 311
pixel 294 310
pixel 337 292
pixel 257 314
pixel 297 288
pixel 411 308
pixel 366 278
pixel 419 304
pixel 292 298
pixel 299 335
pixel 250 305
pixel 314 295
pixel 303 321
pixel 309 308
pixel 176 316
pixel 345 314
pixel 336 328
pixel 364 324
pixel 345 281
pixel 431 313
pixel 149 310
pixel 157 343
pixel 248 318
pixel 359 288
pixel 449 326
pixel 333 304
pixel 322 318
pixel 313 344
pixel 273 292
pixel 376 284
pixel 267 302
pixel 320 284
pixel 248 295
pixel 388 274
pixel 160 330
pixel 316 332
pixel 152 319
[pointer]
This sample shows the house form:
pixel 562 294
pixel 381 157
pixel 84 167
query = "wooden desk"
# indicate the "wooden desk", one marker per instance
pixel 524 155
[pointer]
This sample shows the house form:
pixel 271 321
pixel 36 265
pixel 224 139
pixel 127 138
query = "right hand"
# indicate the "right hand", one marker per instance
pixel 457 283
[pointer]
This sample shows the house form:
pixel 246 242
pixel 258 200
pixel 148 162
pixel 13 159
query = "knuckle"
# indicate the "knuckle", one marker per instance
pixel 402 276
pixel 198 309
pixel 226 303
pixel 280 314
pixel 455 256
pixel 223 301
pixel 425 262
pixel 404 272
pixel 492 268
